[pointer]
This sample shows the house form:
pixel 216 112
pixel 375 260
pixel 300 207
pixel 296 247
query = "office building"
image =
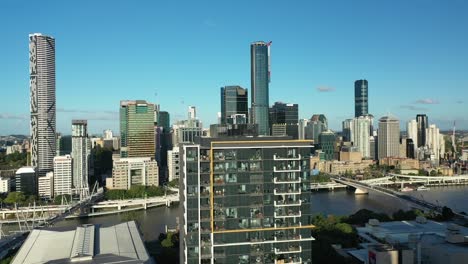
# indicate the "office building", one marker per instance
pixel 347 130
pixel 5 185
pixel 107 134
pixel 389 137
pixel 173 163
pixel 361 95
pixel 63 167
pixel 245 201
pixel 435 143
pixel 317 124
pixel 260 79
pixel 46 186
pixel 185 131
pixel 278 130
pixel 137 129
pixel 164 121
pixel 287 114
pixel 423 124
pixel 237 119
pixel 192 112
pixel 234 130
pixel 410 149
pixel 373 148
pixel 412 133
pixel 360 137
pixel 327 144
pixel 42 102
pixel 302 128
pixel 81 151
pixel 26 180
pixel 89 243
pixel 234 101
pixel 127 172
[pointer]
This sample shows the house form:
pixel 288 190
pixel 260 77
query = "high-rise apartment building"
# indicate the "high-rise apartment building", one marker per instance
pixel 302 128
pixel 173 165
pixel 137 129
pixel 246 201
pixel 63 175
pixel 164 121
pixel 260 79
pixel 347 130
pixel 81 151
pixel 361 92
pixel 234 101
pixel 389 137
pixel 435 143
pixel 46 186
pixel 412 133
pixel 361 127
pixel 422 125
pixel 42 102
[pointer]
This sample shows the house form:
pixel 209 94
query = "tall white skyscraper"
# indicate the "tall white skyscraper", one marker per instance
pixel 192 112
pixel 389 137
pixel 412 132
pixel 63 175
pixel 42 101
pixel 107 134
pixel 81 151
pixel 302 128
pixel 435 142
pixel 361 127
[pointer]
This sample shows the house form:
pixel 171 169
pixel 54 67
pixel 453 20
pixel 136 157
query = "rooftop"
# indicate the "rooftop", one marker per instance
pixel 88 244
pixel 25 170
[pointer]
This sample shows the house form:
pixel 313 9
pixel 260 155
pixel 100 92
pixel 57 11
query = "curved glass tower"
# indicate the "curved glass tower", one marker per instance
pixel 260 79
pixel 361 107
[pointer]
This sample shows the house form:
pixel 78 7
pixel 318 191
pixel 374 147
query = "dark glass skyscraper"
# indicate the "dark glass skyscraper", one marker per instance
pixel 281 113
pixel 164 121
pixel 361 106
pixel 260 78
pixel 422 125
pixel 234 100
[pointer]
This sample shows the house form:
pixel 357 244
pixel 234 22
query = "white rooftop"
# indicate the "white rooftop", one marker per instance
pixel 25 170
pixel 120 243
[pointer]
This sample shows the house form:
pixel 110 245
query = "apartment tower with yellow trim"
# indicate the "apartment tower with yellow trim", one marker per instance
pixel 246 201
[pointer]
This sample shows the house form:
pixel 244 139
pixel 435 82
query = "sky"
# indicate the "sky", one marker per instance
pixel 179 53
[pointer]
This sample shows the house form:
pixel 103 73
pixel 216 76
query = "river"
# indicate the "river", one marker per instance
pixel 338 202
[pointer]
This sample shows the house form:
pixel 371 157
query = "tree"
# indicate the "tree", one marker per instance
pixel 15 197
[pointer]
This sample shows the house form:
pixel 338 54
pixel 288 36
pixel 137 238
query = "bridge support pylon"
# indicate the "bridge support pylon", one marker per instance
pixel 360 191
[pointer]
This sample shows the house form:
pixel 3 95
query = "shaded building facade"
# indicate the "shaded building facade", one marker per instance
pixel 361 90
pixel 245 201
pixel 287 114
pixel 234 101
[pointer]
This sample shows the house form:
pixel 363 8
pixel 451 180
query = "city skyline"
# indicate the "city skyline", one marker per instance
pixel 420 76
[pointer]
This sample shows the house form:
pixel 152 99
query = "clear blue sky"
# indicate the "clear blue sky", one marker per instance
pixel 413 53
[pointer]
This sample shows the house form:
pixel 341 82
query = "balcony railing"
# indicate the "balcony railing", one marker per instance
pixel 288 237
pixel 289 157
pixel 277 180
pixel 287 224
pixel 287 203
pixel 286 192
pixel 289 250
pixel 286 169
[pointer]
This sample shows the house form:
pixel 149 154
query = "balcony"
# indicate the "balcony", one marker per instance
pixel 288 237
pixel 289 261
pixel 286 169
pixel 282 224
pixel 289 250
pixel 289 157
pixel 287 203
pixel 289 214
pixel 276 180
pixel 287 192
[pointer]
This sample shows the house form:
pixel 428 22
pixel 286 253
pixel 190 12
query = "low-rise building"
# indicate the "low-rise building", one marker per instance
pixel 46 186
pixel 402 163
pixel 341 167
pixel 121 243
pixel 411 242
pixel 350 154
pixel 133 171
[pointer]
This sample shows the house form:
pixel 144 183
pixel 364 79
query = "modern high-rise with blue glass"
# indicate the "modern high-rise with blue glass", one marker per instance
pixel 361 106
pixel 260 79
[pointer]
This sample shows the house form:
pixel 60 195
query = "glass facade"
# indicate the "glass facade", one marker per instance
pixel 260 78
pixel 361 107
pixel 281 113
pixel 246 202
pixel 234 101
pixel 423 123
pixel 137 129
pixel 327 143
